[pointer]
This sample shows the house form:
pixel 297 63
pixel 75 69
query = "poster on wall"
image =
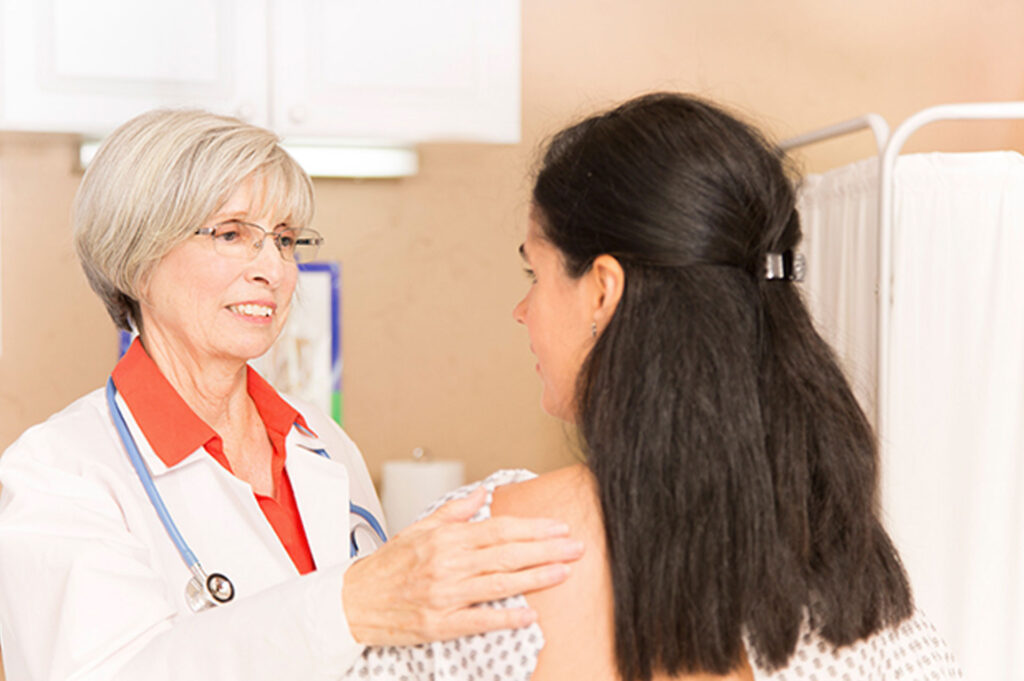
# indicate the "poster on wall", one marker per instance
pixel 305 361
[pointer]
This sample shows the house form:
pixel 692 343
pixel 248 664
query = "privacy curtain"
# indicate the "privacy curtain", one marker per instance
pixel 953 462
pixel 839 216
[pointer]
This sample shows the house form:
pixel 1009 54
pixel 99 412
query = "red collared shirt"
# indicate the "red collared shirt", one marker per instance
pixel 174 431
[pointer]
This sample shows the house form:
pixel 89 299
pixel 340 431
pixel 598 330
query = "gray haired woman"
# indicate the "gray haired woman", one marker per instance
pixel 189 227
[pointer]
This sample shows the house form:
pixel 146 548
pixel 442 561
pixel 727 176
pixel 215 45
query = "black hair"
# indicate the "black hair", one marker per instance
pixel 736 472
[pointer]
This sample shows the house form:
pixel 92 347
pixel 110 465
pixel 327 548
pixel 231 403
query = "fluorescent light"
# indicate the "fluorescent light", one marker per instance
pixel 380 162
pixel 329 161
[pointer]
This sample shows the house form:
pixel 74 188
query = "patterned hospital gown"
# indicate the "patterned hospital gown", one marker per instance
pixel 912 651
pixel 496 656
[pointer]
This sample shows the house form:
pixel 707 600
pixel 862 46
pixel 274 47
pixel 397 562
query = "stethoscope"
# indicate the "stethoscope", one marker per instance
pixel 207 590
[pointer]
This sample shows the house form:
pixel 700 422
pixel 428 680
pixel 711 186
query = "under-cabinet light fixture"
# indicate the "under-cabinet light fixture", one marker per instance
pixel 329 161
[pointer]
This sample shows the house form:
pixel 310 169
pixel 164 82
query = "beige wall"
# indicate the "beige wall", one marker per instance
pixel 432 356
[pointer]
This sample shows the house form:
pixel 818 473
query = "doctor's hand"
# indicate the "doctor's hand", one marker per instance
pixel 421 585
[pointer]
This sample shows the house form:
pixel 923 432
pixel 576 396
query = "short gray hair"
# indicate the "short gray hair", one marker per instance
pixel 156 179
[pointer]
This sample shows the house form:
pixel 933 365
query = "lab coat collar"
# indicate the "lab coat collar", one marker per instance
pixel 320 485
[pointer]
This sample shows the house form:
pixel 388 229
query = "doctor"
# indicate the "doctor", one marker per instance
pixel 237 562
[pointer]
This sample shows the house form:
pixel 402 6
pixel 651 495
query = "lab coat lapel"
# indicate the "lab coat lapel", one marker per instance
pixel 227 531
pixel 321 488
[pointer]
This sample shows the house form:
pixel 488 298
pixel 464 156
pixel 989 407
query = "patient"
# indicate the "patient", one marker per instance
pixel 727 499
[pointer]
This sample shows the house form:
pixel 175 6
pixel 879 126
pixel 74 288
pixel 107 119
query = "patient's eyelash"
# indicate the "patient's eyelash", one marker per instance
pixel 530 274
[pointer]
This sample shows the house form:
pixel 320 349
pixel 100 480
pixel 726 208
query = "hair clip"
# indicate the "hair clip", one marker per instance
pixel 786 265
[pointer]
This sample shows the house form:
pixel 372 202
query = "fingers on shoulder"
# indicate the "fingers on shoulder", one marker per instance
pixel 481 620
pixel 499 585
pixel 508 529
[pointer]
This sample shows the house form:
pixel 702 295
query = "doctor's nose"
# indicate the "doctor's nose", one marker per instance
pixel 268 265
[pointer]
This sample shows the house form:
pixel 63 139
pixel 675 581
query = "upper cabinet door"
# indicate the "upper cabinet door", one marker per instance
pixel 88 66
pixel 396 71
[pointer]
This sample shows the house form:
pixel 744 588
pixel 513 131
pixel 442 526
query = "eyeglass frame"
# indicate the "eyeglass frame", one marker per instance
pixel 301 235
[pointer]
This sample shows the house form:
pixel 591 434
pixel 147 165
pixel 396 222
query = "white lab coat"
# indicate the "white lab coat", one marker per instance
pixel 91 587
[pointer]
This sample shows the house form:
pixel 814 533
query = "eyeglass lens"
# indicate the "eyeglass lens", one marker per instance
pixel 238 239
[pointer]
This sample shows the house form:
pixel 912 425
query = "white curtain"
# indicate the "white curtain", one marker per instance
pixel 953 463
pixel 839 215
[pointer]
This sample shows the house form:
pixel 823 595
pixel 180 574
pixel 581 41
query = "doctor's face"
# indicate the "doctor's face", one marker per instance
pixel 201 304
pixel 557 320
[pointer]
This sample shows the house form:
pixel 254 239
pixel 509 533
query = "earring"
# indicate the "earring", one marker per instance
pixel 593 329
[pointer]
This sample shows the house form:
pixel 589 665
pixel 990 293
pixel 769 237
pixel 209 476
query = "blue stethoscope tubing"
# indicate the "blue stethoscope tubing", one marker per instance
pixel 370 520
pixel 216 586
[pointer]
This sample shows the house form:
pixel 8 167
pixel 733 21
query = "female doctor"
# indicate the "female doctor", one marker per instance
pixel 186 521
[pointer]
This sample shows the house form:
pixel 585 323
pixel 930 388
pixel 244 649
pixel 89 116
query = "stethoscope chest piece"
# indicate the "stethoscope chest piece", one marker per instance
pixel 220 587
pixel 217 590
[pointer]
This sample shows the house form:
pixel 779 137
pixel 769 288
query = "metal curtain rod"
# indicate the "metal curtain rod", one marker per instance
pixel 873 121
pixel 886 218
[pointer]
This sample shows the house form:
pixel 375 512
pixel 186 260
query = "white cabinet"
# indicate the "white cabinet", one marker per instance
pixel 394 71
pixel 87 66
pixel 400 70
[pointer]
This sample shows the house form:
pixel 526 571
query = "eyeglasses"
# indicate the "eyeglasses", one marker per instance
pixel 243 240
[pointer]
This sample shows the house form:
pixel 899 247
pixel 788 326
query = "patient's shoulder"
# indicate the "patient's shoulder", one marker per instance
pixel 576 615
pixel 566 493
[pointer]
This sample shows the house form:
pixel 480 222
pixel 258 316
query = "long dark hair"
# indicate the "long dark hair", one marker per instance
pixel 736 472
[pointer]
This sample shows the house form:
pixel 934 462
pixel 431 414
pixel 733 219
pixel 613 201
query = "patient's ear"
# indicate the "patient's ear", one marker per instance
pixel 607 282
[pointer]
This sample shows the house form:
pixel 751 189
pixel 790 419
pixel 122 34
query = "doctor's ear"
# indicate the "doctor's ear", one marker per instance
pixel 607 283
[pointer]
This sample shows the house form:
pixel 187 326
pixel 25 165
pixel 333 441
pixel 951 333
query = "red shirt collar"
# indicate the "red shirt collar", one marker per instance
pixel 172 429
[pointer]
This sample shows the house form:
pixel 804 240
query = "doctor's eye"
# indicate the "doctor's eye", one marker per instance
pixel 229 232
pixel 286 237
pixel 530 274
